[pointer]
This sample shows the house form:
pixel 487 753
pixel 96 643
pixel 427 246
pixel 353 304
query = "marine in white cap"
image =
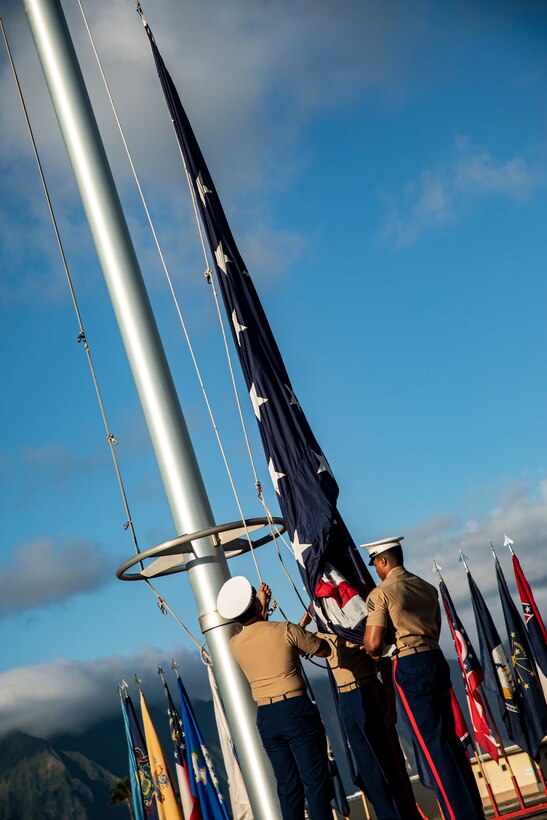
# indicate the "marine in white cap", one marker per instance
pixel 409 606
pixel 268 653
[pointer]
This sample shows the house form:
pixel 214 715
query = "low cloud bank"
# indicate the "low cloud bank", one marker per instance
pixel 69 696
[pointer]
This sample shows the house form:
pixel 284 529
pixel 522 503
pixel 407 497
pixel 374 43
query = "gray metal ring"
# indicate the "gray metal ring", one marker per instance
pixel 181 545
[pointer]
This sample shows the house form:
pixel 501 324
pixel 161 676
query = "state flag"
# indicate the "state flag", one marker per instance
pixel 137 806
pixel 166 801
pixel 459 722
pixel 203 780
pixel 531 700
pixel 535 626
pixel 149 791
pixel 190 804
pixel 498 677
pixel 472 674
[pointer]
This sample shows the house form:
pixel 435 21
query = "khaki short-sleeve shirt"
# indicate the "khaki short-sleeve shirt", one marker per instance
pixel 348 663
pixel 268 653
pixel 410 605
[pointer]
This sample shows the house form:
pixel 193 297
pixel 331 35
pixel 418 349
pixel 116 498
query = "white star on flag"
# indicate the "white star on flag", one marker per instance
pixel 221 258
pixel 275 476
pixel 323 463
pixel 299 548
pixel 202 189
pixel 293 399
pixel 256 401
pixel 237 327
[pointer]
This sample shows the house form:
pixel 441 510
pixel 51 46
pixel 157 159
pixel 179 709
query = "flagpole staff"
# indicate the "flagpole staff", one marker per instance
pixel 485 777
pixel 365 806
pixel 184 487
pixel 437 568
pixel 486 705
pixel 502 747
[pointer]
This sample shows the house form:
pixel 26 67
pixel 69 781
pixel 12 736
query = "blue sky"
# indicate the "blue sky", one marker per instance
pixel 384 170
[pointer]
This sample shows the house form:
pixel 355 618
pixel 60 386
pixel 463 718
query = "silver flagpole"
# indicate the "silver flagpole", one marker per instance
pixel 179 469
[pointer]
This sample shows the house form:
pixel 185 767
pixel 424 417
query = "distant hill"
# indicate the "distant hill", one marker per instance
pixel 105 742
pixel 40 781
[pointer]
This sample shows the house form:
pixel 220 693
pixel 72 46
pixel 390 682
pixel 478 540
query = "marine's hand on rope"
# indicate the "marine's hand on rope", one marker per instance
pixel 264 596
pixel 306 618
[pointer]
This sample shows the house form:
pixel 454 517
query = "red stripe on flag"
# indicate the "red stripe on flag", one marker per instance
pixel 526 595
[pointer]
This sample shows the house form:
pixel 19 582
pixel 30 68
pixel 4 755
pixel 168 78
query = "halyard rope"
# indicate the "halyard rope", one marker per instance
pixel 170 283
pixel 112 441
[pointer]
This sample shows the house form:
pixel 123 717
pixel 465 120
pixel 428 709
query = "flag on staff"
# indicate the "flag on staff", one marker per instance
pixel 537 632
pixel 149 791
pixel 532 702
pixel 459 721
pixel 203 780
pixel 239 799
pixel 136 803
pixel 472 674
pixel 190 804
pixel 166 802
pixel 497 672
pixel 306 489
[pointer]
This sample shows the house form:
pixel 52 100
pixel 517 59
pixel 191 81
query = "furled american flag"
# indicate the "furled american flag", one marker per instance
pixel 334 573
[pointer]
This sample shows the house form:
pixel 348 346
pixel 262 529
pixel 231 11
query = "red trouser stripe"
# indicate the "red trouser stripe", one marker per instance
pixel 421 741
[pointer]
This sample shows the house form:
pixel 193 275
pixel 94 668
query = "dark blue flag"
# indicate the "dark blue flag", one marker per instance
pixel 136 795
pixel 498 678
pixel 530 694
pixel 149 791
pixel 334 573
pixel 190 804
pixel 203 780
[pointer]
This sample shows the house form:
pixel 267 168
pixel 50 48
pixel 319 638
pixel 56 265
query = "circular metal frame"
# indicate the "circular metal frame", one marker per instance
pixel 182 545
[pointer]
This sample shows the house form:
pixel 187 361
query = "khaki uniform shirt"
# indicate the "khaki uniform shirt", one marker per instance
pixel 268 653
pixel 349 664
pixel 411 606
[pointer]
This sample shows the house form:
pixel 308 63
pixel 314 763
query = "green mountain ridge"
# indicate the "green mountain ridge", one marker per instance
pixel 40 781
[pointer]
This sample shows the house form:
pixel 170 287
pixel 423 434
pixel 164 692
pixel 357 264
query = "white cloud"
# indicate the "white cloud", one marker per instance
pixel 67 695
pixel 40 573
pixel 270 252
pixel 252 78
pixel 521 513
pixel 441 195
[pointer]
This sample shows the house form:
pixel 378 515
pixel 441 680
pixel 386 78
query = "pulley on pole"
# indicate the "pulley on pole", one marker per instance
pixel 184 487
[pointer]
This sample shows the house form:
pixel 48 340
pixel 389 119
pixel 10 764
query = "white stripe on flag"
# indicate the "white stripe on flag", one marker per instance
pixel 241 807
